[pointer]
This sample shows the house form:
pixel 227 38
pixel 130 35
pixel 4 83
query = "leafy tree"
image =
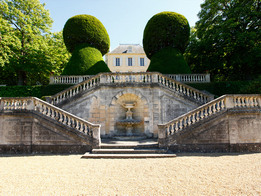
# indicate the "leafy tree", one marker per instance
pixel 226 40
pixel 28 49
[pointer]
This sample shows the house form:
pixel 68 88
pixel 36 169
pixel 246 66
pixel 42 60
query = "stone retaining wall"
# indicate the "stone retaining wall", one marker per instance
pixel 233 130
pixel 24 131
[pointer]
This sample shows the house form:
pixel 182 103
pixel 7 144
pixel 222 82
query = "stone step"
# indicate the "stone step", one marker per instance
pixel 126 156
pixel 128 146
pixel 129 151
pixel 116 149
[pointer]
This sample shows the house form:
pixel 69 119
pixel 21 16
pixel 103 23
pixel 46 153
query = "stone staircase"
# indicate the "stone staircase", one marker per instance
pixel 123 149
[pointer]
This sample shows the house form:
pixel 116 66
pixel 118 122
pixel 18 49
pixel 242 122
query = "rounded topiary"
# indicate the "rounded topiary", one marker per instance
pixel 165 38
pixel 169 61
pixel 165 29
pixel 85 29
pixel 87 39
pixel 85 60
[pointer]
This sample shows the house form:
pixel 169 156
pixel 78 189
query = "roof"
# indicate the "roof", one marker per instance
pixel 128 48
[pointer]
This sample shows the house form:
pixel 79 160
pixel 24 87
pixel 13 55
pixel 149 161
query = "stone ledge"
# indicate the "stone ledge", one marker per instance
pixel 217 148
pixel 44 149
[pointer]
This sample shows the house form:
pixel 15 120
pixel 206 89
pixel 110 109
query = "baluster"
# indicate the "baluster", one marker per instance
pixel 169 130
pixel 218 106
pixel 88 130
pixel 239 102
pixel 255 103
pixel 194 118
pixel 206 112
pixel 180 124
pixel 210 109
pixel 83 128
pixel 176 127
pixel 190 119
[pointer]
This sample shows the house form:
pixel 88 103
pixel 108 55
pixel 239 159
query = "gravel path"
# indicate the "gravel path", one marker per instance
pixel 187 174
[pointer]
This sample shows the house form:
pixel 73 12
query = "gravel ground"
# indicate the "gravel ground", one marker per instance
pixel 187 174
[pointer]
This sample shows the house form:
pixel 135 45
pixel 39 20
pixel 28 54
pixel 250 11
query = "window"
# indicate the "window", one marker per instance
pixel 129 61
pixel 117 62
pixel 141 61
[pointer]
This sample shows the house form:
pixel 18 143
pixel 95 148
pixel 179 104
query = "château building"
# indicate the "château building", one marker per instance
pixel 127 58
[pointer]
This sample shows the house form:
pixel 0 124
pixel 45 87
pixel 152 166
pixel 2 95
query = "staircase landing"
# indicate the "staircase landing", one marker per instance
pixel 122 149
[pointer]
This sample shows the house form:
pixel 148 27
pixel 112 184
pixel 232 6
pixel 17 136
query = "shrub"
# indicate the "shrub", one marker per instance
pixel 165 29
pixel 169 61
pixel 85 29
pixel 85 60
pixel 32 91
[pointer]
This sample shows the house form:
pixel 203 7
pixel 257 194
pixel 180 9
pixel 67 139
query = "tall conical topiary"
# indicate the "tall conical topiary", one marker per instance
pixel 87 39
pixel 165 38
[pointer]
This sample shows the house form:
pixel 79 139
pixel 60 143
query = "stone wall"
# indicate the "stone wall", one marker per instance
pixel 104 105
pixel 233 130
pixel 30 132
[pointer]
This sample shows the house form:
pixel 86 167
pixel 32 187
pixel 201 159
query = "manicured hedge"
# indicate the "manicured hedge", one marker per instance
pixel 169 61
pixel 31 91
pixel 85 60
pixel 216 88
pixel 232 87
pixel 166 29
pixel 85 29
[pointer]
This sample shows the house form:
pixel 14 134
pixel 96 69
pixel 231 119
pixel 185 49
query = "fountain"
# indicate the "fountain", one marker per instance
pixel 129 122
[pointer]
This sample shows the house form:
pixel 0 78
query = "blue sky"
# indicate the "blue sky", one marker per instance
pixel 124 20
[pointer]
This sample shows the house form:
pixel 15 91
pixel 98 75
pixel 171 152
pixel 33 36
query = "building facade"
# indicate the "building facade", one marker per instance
pixel 127 58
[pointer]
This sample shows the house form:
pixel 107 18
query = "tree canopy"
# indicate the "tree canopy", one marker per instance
pixel 226 40
pixel 29 51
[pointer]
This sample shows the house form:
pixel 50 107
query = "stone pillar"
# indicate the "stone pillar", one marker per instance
pixel 1 104
pixel 103 78
pixel 229 102
pixel 51 79
pixel 154 77
pixel 96 136
pixel 207 78
pixel 30 104
pixel 162 136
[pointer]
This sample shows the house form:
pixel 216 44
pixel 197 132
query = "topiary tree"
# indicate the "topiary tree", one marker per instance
pixel 87 39
pixel 165 38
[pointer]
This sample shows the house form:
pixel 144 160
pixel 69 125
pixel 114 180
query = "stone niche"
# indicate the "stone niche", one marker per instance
pixel 129 120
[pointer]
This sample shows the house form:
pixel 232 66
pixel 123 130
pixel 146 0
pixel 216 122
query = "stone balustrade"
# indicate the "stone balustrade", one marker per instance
pixel 74 90
pixel 68 79
pixel 134 78
pixel 190 78
pixel 55 113
pixel 184 78
pixel 220 104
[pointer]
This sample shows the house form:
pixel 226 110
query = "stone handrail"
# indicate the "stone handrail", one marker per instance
pixel 184 89
pixel 185 78
pixel 116 78
pixel 55 113
pixel 74 90
pixel 220 104
pixel 190 78
pixel 68 79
